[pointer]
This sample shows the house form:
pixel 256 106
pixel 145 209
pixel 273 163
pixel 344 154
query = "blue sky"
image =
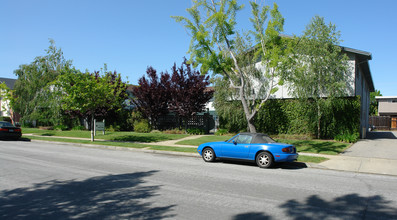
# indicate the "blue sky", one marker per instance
pixel 130 35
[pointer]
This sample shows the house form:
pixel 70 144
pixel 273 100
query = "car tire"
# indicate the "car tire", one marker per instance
pixel 264 160
pixel 208 155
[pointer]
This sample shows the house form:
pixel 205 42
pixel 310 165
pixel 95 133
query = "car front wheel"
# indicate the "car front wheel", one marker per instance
pixel 208 155
pixel 264 160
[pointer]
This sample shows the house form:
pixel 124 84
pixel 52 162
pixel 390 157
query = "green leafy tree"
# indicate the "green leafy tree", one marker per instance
pixel 32 96
pixel 232 57
pixel 87 93
pixel 318 69
pixel 373 107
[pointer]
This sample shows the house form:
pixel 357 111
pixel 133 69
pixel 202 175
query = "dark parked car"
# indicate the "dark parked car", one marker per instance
pixel 249 146
pixel 9 131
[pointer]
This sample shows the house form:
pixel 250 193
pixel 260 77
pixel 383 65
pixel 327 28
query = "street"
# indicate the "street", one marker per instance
pixel 62 181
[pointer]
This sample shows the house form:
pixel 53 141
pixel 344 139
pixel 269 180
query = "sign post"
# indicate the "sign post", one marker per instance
pixel 100 126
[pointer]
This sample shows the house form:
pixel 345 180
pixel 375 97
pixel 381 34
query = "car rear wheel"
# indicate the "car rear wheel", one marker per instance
pixel 264 160
pixel 208 155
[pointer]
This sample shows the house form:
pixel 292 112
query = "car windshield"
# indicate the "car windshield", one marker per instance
pixel 5 124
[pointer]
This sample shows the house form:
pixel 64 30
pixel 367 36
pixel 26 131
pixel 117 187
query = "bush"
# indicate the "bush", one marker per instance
pixel 78 128
pixel 5 118
pixel 295 117
pixel 27 124
pixel 195 131
pixel 60 127
pixel 142 126
pixel 347 137
pixel 113 128
pixel 221 132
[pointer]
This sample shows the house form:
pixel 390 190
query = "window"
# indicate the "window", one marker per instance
pixel 243 139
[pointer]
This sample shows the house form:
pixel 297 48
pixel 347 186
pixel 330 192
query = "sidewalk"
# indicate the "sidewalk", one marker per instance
pixel 337 162
pixel 358 164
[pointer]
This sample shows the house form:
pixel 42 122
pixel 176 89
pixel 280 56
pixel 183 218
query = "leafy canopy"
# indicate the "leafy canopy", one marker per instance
pixel 32 97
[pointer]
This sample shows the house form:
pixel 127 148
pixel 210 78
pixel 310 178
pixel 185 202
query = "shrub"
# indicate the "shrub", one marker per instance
pixel 60 127
pixel 221 132
pixel 5 118
pixel 347 137
pixel 78 128
pixel 113 128
pixel 195 131
pixel 142 126
pixel 27 124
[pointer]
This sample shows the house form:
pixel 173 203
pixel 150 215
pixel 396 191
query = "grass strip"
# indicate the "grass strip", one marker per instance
pixel 116 144
pixel 311 159
pixel 109 135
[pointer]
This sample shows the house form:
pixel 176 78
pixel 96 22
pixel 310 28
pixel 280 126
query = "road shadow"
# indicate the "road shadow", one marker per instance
pixel 282 165
pixel 373 135
pixel 351 206
pixel 11 139
pixel 112 196
pixel 252 216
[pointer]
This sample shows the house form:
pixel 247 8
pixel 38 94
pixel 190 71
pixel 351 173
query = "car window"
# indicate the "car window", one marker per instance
pixel 243 139
pixel 268 139
pixel 5 124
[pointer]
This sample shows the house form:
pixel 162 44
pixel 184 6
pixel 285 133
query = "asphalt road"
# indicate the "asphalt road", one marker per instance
pixel 51 181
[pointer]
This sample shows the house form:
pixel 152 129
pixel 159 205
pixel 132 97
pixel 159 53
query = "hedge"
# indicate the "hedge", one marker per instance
pixel 294 116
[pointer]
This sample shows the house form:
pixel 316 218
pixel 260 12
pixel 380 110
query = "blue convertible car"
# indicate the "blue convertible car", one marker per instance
pixel 249 146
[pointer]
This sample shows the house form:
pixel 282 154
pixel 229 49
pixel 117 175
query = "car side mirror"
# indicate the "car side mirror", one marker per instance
pixel 234 142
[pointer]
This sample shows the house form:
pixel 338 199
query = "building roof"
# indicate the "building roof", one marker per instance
pixel 362 60
pixel 385 97
pixel 9 82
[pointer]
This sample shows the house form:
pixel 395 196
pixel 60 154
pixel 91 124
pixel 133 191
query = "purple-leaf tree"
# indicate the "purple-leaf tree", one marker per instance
pixel 152 95
pixel 189 91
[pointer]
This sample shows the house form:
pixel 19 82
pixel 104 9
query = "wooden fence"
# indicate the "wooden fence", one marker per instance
pixel 380 122
pixel 205 122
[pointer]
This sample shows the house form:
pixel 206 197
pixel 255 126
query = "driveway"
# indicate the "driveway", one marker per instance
pixel 379 144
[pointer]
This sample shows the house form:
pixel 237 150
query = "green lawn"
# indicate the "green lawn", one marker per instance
pixel 307 146
pixel 113 136
pixel 204 139
pixel 317 146
pixel 113 143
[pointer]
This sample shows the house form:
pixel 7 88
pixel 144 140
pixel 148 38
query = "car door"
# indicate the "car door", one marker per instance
pixel 238 147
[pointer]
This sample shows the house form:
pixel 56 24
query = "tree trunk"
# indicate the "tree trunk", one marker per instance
pixel 318 120
pixel 92 127
pixel 248 115
pixel 251 127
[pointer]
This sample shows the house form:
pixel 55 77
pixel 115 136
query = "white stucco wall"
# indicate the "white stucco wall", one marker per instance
pixel 4 107
pixel 284 93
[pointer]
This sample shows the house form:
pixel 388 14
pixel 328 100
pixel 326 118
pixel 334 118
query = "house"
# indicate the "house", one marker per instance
pixel 4 104
pixel 387 106
pixel 359 82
